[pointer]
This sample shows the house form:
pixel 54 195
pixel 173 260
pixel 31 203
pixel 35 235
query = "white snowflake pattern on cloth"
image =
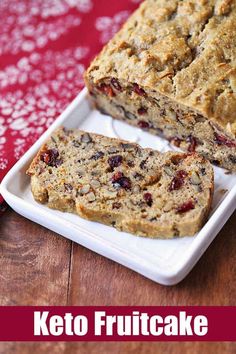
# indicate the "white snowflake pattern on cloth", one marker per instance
pixel 81 5
pixel 108 26
pixel 21 29
pixel 3 163
pixel 27 69
pixel 3 140
pixel 45 8
pixel 25 114
pixel 31 37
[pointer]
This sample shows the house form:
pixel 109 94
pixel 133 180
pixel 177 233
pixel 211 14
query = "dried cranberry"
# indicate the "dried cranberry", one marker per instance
pixel 148 199
pixel 192 143
pixel 178 181
pixel 176 184
pixel 125 183
pixel 223 140
pixel 92 93
pixel 143 125
pixel 120 180
pixel 142 111
pixel 118 175
pixel 115 83
pixel 181 174
pixel 106 89
pixel 46 157
pixel 137 89
pixel 185 207
pixel 115 161
pixel 116 205
pixel 50 157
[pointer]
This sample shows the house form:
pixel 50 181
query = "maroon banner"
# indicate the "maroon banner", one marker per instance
pixel 118 323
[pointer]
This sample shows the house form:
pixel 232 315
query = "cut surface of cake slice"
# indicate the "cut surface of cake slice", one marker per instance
pixel 118 183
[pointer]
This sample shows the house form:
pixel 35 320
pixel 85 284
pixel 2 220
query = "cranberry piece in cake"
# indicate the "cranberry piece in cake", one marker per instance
pixel 184 208
pixel 50 157
pixel 143 125
pixel 142 111
pixel 192 143
pixel 148 199
pixel 120 180
pixel 178 181
pixel 107 90
pixel 137 89
pixel 115 161
pixel 223 140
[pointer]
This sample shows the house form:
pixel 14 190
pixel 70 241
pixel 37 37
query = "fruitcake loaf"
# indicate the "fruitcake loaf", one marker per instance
pixel 117 183
pixel 171 70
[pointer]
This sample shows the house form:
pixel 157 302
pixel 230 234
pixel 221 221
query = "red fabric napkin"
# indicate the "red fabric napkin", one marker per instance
pixel 45 46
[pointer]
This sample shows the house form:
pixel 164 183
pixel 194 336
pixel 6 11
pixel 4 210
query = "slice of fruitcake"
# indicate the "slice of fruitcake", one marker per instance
pixel 118 183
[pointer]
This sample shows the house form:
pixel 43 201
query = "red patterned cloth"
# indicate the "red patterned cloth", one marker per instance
pixel 45 46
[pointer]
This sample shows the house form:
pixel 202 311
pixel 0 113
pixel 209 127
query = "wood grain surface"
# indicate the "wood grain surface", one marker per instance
pixel 39 267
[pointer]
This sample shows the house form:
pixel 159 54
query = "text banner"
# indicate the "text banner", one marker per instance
pixel 118 323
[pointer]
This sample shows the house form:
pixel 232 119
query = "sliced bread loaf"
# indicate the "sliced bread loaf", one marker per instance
pixel 171 71
pixel 140 191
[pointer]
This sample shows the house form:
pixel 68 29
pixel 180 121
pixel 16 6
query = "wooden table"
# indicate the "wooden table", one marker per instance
pixel 38 267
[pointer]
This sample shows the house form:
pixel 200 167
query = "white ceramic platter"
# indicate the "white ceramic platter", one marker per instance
pixel 164 261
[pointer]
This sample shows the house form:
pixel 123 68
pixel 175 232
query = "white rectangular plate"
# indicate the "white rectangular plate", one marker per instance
pixel 164 261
